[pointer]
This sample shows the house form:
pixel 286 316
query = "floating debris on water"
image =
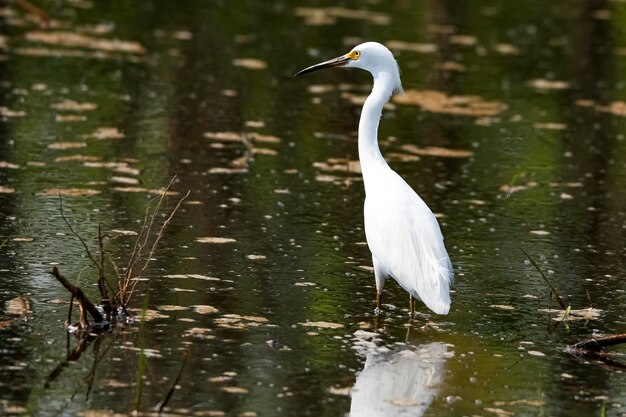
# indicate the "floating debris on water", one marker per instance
pixel 224 170
pixel 540 232
pixel 199 333
pixel 6 190
pixel 169 307
pixel 67 145
pixel 124 180
pixel 439 102
pixel 437 151
pixel 8 165
pixel 72 39
pixel 502 307
pixel 510 189
pixel 7 112
pixel 104 133
pixel 68 192
pixel 218 240
pixel 540 84
pixel 79 158
pixel 193 276
pixel 322 325
pixel 322 16
pixel 235 390
pixel 464 40
pixel 71 105
pixel 147 314
pixel 250 63
pixel 345 391
pixel 124 232
pixel 506 49
pixel 235 321
pixel 589 313
pixel 17 306
pixel 176 289
pixel 550 126
pixel 422 48
pixel 255 124
pixel 159 191
pixel 204 309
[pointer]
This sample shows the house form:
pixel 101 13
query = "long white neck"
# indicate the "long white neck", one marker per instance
pixel 369 152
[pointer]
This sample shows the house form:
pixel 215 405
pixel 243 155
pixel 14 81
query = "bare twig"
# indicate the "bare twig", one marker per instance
pixel 156 241
pixel 144 235
pixel 117 295
pixel 147 230
pixel 552 288
pixel 130 280
pixel 89 254
pixel 123 283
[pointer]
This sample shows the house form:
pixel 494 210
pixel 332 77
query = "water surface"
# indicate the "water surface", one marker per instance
pixel 532 92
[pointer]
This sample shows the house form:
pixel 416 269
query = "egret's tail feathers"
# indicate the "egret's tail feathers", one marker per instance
pixel 435 287
pixel 433 275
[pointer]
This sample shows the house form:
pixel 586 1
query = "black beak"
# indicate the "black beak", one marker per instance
pixel 337 62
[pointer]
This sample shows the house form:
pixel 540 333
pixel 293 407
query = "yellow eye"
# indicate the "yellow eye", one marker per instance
pixel 353 55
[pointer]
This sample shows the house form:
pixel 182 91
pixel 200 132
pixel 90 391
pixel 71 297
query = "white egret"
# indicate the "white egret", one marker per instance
pixel 402 233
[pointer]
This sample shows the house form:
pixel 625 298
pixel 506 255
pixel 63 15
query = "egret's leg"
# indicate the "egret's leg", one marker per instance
pixel 411 307
pixel 380 276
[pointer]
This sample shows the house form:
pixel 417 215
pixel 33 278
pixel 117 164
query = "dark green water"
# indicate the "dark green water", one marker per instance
pixel 556 71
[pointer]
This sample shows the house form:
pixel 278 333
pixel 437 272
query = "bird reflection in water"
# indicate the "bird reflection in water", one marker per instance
pixel 399 382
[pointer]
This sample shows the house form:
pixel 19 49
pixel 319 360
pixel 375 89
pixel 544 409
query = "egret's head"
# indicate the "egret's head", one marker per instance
pixel 369 56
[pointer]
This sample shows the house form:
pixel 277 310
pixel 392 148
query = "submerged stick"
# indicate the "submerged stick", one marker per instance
pixel 600 343
pixel 79 295
pixel 552 288
pixel 101 279
pixel 83 343
pixel 592 350
pixel 173 388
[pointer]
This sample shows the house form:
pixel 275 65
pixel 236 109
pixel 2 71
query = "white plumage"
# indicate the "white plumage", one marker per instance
pixel 402 233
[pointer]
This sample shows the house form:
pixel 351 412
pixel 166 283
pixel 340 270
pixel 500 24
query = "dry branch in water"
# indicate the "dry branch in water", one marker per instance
pixel 86 306
pixel 127 284
pixel 593 349
pixel 114 301
pixel 599 343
